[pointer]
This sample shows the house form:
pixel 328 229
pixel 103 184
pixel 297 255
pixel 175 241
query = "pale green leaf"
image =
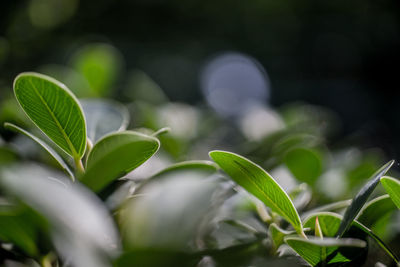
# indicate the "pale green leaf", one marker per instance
pixel 54 109
pixel 104 117
pixel 43 144
pixel 259 183
pixel 278 234
pixel 305 164
pixel 392 187
pixel 115 155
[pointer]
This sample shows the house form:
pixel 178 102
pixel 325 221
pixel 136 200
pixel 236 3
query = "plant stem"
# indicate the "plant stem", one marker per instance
pixel 79 167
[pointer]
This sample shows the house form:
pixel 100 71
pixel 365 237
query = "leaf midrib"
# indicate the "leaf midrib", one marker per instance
pixel 71 146
pixel 266 196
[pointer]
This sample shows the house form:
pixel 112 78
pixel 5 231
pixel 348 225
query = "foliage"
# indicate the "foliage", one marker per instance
pixel 103 190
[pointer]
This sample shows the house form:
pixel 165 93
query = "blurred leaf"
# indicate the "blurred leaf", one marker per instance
pixel 313 250
pixel 115 155
pixel 169 213
pixel 204 166
pixel 100 64
pixel 103 117
pixel 336 206
pixel 21 226
pixel 259 183
pixel 392 187
pixel 278 234
pixel 54 109
pixel 81 228
pixel 361 197
pixel 141 87
pixel 51 151
pixel 304 163
pixel 375 210
pixel 7 156
pixel 153 257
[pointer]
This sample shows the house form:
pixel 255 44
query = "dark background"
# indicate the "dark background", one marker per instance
pixel 343 55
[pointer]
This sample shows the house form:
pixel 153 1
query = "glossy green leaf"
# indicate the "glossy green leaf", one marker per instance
pixel 375 210
pixel 304 163
pixel 104 117
pixel 316 250
pixel 362 197
pixel 54 109
pixel 392 187
pixel 115 155
pixel 43 144
pixel 259 183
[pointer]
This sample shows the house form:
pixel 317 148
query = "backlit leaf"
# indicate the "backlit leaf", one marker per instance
pixel 259 183
pixel 392 187
pixel 375 210
pixel 115 155
pixel 54 109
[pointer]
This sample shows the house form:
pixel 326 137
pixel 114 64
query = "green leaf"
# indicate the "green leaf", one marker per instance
pixel 312 249
pixel 54 109
pixel 375 210
pixel 304 163
pixel 362 197
pixel 259 183
pixel 43 144
pixel 104 117
pixel 330 223
pixel 82 230
pixel 115 155
pixel 203 166
pixel 392 187
pixel 278 234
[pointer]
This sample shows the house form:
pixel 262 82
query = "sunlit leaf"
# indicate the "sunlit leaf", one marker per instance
pixel 104 117
pixel 51 151
pixel 392 187
pixel 375 210
pixel 54 109
pixel 259 183
pixel 115 155
pixel 362 197
pixel 313 249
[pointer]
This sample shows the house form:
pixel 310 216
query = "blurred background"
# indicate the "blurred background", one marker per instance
pixel 341 55
pixel 307 89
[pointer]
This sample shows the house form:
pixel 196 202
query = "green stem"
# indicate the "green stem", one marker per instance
pixel 79 167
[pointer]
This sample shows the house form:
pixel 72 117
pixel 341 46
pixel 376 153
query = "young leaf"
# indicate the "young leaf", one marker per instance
pixel 318 231
pixel 104 117
pixel 54 109
pixel 115 155
pixel 328 221
pixel 360 199
pixel 51 151
pixel 312 249
pixel 375 210
pixel 392 187
pixel 259 183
